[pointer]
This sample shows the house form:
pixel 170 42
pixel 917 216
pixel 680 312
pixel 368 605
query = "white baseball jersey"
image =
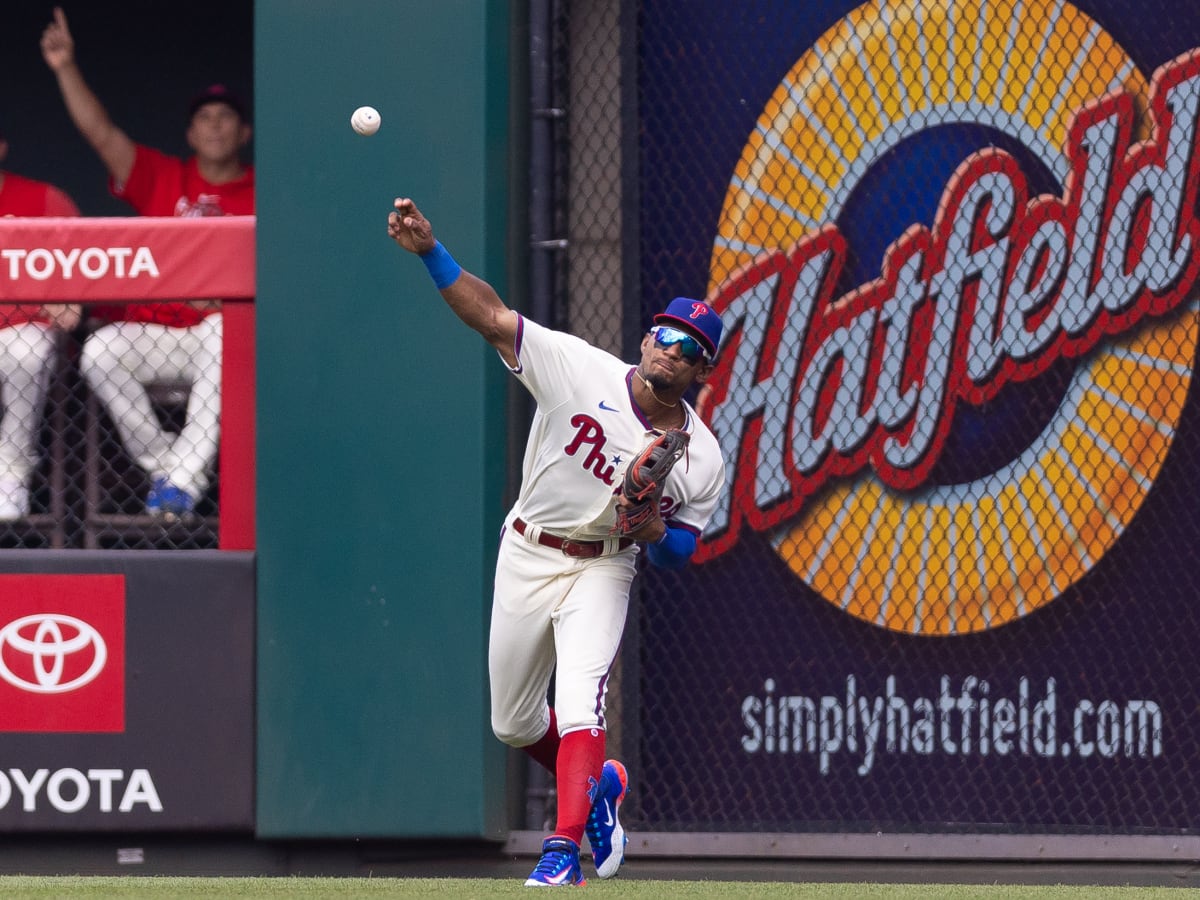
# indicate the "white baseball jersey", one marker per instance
pixel 586 430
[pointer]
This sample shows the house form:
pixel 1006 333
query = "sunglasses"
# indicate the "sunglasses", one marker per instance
pixel 666 336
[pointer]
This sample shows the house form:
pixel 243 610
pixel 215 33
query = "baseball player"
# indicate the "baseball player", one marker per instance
pixel 564 569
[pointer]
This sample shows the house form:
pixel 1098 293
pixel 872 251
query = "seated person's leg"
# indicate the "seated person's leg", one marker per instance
pixel 26 355
pixel 195 448
pixel 117 361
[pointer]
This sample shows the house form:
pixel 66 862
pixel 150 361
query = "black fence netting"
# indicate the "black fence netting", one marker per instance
pixel 948 584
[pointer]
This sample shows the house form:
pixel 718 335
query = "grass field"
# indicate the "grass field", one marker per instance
pixel 19 887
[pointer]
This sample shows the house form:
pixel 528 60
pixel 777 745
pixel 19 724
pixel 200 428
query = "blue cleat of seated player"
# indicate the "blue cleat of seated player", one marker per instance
pixel 605 834
pixel 165 499
pixel 559 865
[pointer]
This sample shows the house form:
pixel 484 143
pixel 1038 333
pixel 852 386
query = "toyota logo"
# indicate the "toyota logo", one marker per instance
pixel 48 640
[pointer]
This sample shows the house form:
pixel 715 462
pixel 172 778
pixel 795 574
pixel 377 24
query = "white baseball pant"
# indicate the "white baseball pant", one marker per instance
pixel 553 614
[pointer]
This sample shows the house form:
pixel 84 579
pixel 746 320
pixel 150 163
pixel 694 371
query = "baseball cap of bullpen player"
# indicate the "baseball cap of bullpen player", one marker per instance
pixel 696 317
pixel 217 93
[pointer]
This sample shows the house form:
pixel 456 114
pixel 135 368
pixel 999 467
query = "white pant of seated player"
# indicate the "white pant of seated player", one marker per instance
pixel 120 359
pixel 26 357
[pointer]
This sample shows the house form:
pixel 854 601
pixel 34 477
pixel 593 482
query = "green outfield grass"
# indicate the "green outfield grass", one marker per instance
pixel 18 887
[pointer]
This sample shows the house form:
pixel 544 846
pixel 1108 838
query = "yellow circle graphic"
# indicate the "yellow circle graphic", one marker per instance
pixel 964 558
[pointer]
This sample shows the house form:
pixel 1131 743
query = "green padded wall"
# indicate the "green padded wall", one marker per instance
pixel 380 429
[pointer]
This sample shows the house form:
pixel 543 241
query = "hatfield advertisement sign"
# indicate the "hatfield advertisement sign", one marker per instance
pixel 939 213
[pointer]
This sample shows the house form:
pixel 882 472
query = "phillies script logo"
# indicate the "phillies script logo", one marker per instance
pixel 62 653
pixel 589 441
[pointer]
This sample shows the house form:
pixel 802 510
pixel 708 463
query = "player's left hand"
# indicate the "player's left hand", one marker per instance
pixel 642 486
pixel 650 530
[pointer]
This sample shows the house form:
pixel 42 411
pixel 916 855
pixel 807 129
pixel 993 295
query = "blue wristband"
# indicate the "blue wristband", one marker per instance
pixel 673 550
pixel 441 265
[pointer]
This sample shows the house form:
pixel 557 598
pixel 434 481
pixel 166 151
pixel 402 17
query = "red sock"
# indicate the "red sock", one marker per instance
pixel 545 751
pixel 580 760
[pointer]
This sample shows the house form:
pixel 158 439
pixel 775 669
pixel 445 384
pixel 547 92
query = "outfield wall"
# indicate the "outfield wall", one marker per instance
pixel 134 709
pixel 376 529
pixel 330 682
pixel 940 653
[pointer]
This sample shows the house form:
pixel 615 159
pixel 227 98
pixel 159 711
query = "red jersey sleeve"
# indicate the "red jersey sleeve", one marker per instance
pixel 155 183
pixel 59 204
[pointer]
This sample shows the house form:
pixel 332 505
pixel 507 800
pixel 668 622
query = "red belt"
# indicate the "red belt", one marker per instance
pixel 577 549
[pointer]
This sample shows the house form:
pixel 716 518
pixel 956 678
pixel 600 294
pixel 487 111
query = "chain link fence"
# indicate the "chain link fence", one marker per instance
pixel 954 248
pixel 110 428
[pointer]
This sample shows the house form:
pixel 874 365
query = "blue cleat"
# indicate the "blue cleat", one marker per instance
pixel 604 831
pixel 165 499
pixel 559 865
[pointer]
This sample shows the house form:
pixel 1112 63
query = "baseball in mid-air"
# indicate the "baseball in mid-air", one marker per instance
pixel 365 120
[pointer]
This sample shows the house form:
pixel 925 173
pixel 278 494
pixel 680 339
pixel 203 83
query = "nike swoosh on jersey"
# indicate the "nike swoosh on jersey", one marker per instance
pixel 605 406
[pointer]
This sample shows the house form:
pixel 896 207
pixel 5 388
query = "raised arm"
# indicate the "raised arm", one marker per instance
pixel 111 144
pixel 471 298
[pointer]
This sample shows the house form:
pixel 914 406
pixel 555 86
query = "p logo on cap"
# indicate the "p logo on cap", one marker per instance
pixel 696 317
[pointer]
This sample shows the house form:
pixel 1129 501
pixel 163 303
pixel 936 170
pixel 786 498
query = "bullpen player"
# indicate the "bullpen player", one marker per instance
pixel 565 565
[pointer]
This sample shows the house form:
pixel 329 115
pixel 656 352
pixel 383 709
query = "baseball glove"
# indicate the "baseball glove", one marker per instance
pixel 645 478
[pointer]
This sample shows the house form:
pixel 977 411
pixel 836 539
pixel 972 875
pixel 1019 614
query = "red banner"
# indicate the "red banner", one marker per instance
pixel 133 258
pixel 62 653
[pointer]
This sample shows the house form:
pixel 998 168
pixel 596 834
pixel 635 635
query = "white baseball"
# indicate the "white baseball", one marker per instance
pixel 365 120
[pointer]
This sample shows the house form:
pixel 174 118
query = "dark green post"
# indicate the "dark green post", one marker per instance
pixel 374 564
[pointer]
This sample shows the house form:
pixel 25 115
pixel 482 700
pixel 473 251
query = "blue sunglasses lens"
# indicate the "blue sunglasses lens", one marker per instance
pixel 688 345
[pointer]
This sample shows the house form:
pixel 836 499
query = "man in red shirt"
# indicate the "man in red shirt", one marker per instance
pixel 146 343
pixel 27 347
